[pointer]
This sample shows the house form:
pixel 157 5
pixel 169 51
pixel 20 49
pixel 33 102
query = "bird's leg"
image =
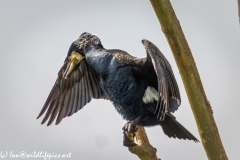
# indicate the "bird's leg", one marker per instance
pixel 129 130
pixel 132 126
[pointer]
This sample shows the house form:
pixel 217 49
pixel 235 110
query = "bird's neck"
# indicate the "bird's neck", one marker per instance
pixel 100 60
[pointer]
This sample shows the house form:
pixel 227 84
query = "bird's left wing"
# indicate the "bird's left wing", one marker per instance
pixel 168 92
pixel 71 94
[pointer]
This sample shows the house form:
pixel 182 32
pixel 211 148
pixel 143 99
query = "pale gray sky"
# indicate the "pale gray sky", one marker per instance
pixel 35 38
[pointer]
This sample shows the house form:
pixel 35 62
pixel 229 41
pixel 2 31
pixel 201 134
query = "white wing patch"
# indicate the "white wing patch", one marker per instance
pixel 150 95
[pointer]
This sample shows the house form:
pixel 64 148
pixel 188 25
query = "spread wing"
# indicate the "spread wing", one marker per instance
pixel 169 96
pixel 72 94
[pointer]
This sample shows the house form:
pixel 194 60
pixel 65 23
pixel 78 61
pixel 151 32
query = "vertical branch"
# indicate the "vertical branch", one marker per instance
pixel 200 106
pixel 144 150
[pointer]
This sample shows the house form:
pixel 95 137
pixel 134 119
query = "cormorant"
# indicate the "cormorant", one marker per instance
pixel 144 91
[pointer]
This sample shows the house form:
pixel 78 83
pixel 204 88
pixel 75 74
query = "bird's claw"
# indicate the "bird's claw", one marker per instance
pixel 128 139
pixel 130 127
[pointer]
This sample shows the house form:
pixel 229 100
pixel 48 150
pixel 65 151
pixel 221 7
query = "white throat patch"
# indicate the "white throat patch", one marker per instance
pixel 150 95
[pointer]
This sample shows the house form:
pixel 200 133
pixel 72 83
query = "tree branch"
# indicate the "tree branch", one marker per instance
pixel 144 150
pixel 201 108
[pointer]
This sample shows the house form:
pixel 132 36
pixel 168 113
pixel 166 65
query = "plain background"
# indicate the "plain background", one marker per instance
pixel 35 38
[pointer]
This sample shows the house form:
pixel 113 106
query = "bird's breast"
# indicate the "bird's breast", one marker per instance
pixel 125 91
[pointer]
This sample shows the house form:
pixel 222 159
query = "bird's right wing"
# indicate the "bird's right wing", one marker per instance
pixel 168 91
pixel 72 94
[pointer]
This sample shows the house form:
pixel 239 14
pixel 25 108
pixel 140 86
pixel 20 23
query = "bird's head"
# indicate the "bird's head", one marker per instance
pixel 84 39
pixel 77 52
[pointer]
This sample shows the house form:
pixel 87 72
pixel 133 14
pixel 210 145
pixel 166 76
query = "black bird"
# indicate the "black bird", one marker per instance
pixel 144 91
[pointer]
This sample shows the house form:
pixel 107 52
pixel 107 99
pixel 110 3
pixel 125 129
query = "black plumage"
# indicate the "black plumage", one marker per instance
pixel 144 91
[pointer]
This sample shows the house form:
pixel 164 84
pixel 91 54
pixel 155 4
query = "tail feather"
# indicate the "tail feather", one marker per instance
pixel 172 128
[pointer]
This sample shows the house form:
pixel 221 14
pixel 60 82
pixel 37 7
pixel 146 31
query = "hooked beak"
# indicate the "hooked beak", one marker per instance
pixel 74 59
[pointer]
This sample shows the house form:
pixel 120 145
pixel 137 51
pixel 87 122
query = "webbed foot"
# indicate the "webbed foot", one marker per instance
pixel 128 139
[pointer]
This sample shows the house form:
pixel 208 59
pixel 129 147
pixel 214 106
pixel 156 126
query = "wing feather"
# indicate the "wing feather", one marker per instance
pixel 50 98
pixel 50 109
pixel 83 92
pixel 80 104
pixel 57 109
pixel 70 106
pixel 75 100
pixel 63 111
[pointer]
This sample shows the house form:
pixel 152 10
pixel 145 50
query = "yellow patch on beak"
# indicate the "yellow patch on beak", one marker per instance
pixel 75 56
pixel 74 59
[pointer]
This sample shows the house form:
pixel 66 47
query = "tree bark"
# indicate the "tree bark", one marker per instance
pixel 144 150
pixel 200 106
